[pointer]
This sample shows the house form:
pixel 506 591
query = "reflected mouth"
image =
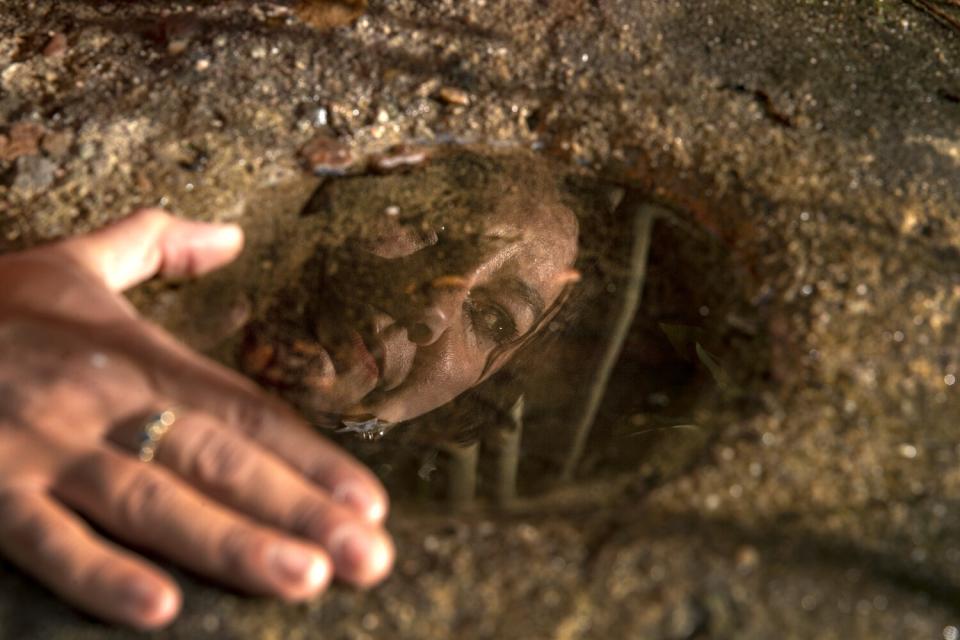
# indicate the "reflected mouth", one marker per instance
pixel 371 351
pixel 351 359
pixel 387 342
pixel 365 355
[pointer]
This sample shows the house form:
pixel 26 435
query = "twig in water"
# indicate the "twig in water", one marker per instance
pixel 937 13
pixel 462 483
pixel 509 454
pixel 684 427
pixel 643 216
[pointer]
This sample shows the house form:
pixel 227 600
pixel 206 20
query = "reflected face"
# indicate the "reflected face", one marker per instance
pixel 413 312
pixel 421 287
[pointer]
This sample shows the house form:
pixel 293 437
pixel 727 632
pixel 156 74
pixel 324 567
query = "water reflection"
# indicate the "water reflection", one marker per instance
pixel 486 309
pixel 421 286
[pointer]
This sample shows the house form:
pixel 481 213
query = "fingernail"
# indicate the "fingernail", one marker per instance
pixel 226 235
pixel 295 566
pixel 360 500
pixel 363 555
pixel 145 603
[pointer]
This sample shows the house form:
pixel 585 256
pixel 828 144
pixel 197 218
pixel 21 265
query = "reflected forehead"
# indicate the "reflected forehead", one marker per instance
pixel 548 223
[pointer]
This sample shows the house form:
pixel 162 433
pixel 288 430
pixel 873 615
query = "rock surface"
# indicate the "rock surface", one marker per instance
pixel 820 141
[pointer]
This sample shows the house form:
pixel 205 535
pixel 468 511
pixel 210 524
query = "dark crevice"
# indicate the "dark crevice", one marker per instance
pixel 765 102
pixel 949 96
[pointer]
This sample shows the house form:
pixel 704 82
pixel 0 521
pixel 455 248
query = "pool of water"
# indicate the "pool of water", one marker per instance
pixel 644 312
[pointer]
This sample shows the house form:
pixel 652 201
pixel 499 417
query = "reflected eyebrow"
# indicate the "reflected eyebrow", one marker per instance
pixel 525 291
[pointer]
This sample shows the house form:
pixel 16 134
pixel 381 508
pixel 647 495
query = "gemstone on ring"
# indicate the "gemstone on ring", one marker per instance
pixel 153 431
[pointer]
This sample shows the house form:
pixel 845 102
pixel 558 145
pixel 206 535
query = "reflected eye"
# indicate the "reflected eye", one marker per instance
pixel 490 321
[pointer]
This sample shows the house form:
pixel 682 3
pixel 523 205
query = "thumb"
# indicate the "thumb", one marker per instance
pixel 151 242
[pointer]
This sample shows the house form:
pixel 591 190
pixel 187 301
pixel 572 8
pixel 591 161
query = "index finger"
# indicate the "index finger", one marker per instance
pixel 190 379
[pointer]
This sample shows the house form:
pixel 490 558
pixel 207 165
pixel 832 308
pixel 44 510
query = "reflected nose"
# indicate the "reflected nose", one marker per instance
pixel 433 320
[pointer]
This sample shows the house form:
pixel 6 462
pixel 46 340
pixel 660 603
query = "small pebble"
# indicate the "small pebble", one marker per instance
pixel 398 157
pixel 453 95
pixel 177 31
pixel 747 558
pixel 370 621
pixel 908 451
pixel 324 155
pixel 176 47
pixel 56 46
pixel 210 623
pixel 323 15
pixel 56 144
pixel 34 174
pixel 23 139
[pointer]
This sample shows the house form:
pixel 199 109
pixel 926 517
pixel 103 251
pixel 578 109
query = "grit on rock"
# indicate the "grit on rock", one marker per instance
pixel 819 141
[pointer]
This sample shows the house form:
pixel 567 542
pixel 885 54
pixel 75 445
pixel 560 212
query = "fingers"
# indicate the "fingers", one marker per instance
pixel 151 242
pixel 280 430
pixel 46 540
pixel 146 505
pixel 225 464
pixel 238 403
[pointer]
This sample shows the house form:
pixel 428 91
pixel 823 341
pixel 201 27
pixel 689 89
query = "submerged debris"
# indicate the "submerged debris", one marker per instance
pixel 329 14
pixel 178 31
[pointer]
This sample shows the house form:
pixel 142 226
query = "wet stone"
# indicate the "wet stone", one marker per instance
pixel 23 139
pixel 174 32
pixel 324 155
pixel 57 144
pixel 314 115
pixel 34 174
pixel 56 46
pixel 399 157
pixel 329 14
pixel 454 96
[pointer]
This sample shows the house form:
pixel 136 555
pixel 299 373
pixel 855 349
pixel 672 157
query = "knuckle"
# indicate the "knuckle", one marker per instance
pixel 42 538
pixel 313 518
pixel 179 260
pixel 28 531
pixel 140 495
pixel 240 548
pixel 251 414
pixel 97 573
pixel 224 462
pixel 33 535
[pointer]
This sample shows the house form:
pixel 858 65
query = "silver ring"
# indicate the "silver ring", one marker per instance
pixel 152 433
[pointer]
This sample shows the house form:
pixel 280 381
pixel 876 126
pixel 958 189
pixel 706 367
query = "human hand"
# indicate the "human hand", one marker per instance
pixel 241 490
